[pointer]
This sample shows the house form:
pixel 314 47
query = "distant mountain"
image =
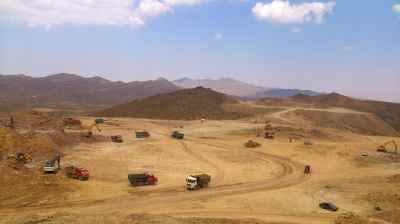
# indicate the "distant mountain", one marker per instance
pixel 69 89
pixel 279 93
pixel 223 85
pixel 238 88
pixel 187 104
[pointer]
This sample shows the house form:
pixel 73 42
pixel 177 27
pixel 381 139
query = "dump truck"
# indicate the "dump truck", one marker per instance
pixel 116 138
pixel 53 165
pixel 252 144
pixel 76 173
pixel 142 134
pixel 307 169
pixel 69 122
pixel 194 182
pixel 269 135
pixel 141 179
pixel 177 135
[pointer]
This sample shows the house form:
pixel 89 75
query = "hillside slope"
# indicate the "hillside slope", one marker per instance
pixel 361 123
pixel 388 112
pixel 187 104
pixel 64 89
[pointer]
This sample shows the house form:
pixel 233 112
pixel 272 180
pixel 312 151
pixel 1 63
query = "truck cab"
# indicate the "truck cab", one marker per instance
pixel 52 166
pixel 191 183
pixel 194 182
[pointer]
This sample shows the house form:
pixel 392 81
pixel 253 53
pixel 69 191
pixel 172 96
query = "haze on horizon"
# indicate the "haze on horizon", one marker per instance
pixel 347 47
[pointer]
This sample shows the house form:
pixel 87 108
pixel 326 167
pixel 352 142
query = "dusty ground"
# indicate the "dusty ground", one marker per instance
pixel 261 185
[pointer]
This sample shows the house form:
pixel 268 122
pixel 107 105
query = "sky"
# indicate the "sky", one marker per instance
pixel 351 47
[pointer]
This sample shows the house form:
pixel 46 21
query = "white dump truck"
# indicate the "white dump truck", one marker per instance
pixel 194 182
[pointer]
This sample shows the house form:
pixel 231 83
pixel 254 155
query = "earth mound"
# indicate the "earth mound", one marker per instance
pixel 188 104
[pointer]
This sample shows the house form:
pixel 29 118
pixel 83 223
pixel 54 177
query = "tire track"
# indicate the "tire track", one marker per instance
pixel 147 202
pixel 219 175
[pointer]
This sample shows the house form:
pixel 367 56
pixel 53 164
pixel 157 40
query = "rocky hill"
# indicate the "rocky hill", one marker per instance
pixel 388 112
pixel 20 91
pixel 187 104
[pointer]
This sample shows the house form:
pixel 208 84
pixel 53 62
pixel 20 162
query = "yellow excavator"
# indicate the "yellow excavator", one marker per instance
pixel 383 147
pixel 88 130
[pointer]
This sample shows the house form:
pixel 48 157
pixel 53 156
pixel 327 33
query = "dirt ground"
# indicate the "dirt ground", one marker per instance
pixel 259 185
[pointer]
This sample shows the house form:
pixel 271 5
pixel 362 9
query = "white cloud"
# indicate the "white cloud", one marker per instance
pixel 280 11
pixel 48 13
pixel 296 30
pixel 183 2
pixel 218 36
pixel 396 8
pixel 152 8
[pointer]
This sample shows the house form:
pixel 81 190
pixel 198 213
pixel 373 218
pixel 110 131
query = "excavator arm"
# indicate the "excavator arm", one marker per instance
pixel 383 147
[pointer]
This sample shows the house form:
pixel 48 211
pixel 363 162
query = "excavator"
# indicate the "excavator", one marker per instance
pixel 88 130
pixel 383 147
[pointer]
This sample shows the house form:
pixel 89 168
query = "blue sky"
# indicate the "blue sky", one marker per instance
pixel 351 47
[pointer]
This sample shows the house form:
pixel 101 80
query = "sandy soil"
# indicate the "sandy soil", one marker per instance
pixel 261 185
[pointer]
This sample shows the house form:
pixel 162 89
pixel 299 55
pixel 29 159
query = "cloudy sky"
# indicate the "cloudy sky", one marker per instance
pixel 350 47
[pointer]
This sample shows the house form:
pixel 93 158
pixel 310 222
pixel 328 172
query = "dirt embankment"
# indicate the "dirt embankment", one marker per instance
pixel 23 182
pixel 360 123
pixel 61 218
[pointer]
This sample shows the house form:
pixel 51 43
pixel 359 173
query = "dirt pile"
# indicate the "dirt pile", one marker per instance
pixel 391 216
pixel 33 144
pixel 188 104
pixel 27 177
pixel 61 218
pixel 351 218
pixel 384 199
pixel 366 124
pixel 26 185
pixel 394 179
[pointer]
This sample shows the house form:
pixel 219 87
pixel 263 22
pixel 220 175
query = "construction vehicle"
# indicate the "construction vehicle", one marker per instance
pixel 194 182
pixel 53 165
pixel 19 157
pixel 177 135
pixel 89 129
pixel 383 147
pixel 268 125
pixel 116 138
pixel 76 173
pixel 99 120
pixel 142 134
pixel 328 206
pixel 308 141
pixel 307 169
pixel 10 124
pixel 71 122
pixel 269 135
pixel 141 179
pixel 252 144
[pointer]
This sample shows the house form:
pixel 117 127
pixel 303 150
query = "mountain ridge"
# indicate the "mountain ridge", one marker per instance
pixel 238 88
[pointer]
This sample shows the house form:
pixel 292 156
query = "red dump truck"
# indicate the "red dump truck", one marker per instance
pixel 194 182
pixel 141 179
pixel 77 173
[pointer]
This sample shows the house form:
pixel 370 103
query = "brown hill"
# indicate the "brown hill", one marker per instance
pixel 20 91
pixel 389 112
pixel 185 104
pixel 361 123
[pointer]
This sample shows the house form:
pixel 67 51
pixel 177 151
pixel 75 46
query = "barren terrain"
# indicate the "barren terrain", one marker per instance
pixel 248 185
